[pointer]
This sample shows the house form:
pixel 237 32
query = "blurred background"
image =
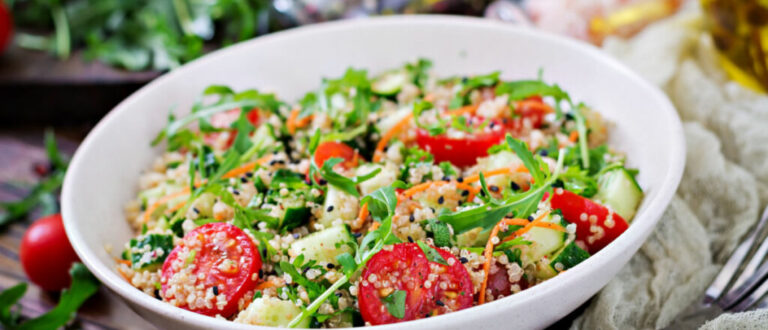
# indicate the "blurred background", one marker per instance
pixel 65 63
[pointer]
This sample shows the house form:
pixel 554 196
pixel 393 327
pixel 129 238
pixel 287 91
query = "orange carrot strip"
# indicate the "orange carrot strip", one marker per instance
pixel 389 135
pixel 535 223
pixel 265 285
pixel 374 226
pixel 463 110
pixel 362 216
pixel 291 122
pixel 165 199
pixel 574 136
pixel 247 167
pixel 124 262
pixel 125 276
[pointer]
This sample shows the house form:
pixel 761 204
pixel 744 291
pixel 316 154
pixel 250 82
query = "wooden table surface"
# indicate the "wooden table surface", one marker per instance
pixel 18 153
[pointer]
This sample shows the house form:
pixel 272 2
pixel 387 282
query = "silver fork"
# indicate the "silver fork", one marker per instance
pixel 739 286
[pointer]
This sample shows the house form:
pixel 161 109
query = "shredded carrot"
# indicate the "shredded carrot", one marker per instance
pixel 247 167
pixel 470 109
pixel 535 223
pixel 290 123
pixel 574 136
pixel 374 226
pixel 176 207
pixel 124 262
pixel 265 285
pixel 498 171
pixel 389 135
pixel 488 252
pixel 535 104
pixel 165 199
pixel 361 217
pixel 421 187
pixel 124 275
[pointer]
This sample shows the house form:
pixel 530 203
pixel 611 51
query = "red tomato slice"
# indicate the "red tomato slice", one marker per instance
pixel 590 219
pixel 405 267
pixel 46 254
pixel 218 256
pixel 332 149
pixel 460 152
pixel 224 120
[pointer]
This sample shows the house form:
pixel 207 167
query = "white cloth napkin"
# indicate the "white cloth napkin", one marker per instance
pixel 723 190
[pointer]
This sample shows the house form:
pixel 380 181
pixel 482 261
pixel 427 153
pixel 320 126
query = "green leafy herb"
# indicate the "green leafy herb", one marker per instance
pixel 419 72
pixel 142 251
pixel 395 303
pixel 83 286
pixel 436 128
pixel 441 234
pixel 348 185
pixel 431 253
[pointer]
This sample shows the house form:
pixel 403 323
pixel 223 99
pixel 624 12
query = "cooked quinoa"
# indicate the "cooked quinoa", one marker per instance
pixel 373 199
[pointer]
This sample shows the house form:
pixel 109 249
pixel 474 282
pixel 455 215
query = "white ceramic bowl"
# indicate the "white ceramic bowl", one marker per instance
pixel 104 171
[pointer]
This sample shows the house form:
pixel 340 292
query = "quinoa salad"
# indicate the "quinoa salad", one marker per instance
pixel 374 199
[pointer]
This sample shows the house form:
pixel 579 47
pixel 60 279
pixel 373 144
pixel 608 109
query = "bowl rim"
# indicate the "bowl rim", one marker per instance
pixel 638 231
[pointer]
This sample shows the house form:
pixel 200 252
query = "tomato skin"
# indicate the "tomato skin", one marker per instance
pixel 212 257
pixel 6 26
pixel 46 254
pixel 460 152
pixel 574 206
pixel 405 267
pixel 224 120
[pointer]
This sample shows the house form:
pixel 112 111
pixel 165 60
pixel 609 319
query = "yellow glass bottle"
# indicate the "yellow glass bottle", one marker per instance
pixel 739 30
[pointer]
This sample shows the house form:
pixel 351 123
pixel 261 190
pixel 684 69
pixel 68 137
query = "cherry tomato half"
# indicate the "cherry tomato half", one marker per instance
pixel 46 254
pixel 332 149
pixel 586 213
pixel 6 26
pixel 431 288
pixel 218 256
pixel 460 152
pixel 224 120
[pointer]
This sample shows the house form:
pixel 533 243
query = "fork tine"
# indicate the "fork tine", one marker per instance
pixel 731 268
pixel 734 296
pixel 752 299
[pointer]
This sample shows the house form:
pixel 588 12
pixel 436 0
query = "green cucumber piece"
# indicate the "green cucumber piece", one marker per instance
pixel 571 255
pixel 545 241
pixel 619 190
pixel 323 246
pixel 271 312
pixel 294 217
pixel 389 83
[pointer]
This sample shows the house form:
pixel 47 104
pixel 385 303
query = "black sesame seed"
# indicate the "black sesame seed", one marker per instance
pixel 234 191
pixel 439 303
pixel 331 266
pixel 543 152
pixel 460 203
pixel 410 239
pixel 249 174
pixel 465 193
pixel 272 162
pixel 215 290
pixel 530 218
pixel 304 270
pixel 280 161
pixel 514 186
pixel 446 178
pixel 322 181
pixel 243 179
pixel 441 200
pixel 386 148
pixel 494 188
pixel 464 79
pixel 558 184
pixel 504 120
pixel 329 209
pixel 194 209
pixel 261 273
pixel 264 251
pixel 569 116
pixel 157 295
pixel 493 123
pixel 274 152
pixel 357 235
pixel 460 179
pixel 338 294
pixel 433 209
pixel 482 193
pixel 411 218
pixel 463 260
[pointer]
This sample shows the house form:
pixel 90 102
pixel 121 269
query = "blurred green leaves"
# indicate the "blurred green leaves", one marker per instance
pixel 135 35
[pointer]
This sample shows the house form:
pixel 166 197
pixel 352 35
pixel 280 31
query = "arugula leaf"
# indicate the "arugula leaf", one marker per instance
pixel 83 286
pixel 242 142
pixel 436 128
pixel 419 72
pixel 431 253
pixel 440 233
pixel 521 150
pixel 578 181
pixel 8 298
pixel 383 201
pixel 52 151
pixel 395 303
pixel 348 185
pixel 314 289
pixel 371 244
pixel 522 89
pixel 18 209
pixel 581 127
